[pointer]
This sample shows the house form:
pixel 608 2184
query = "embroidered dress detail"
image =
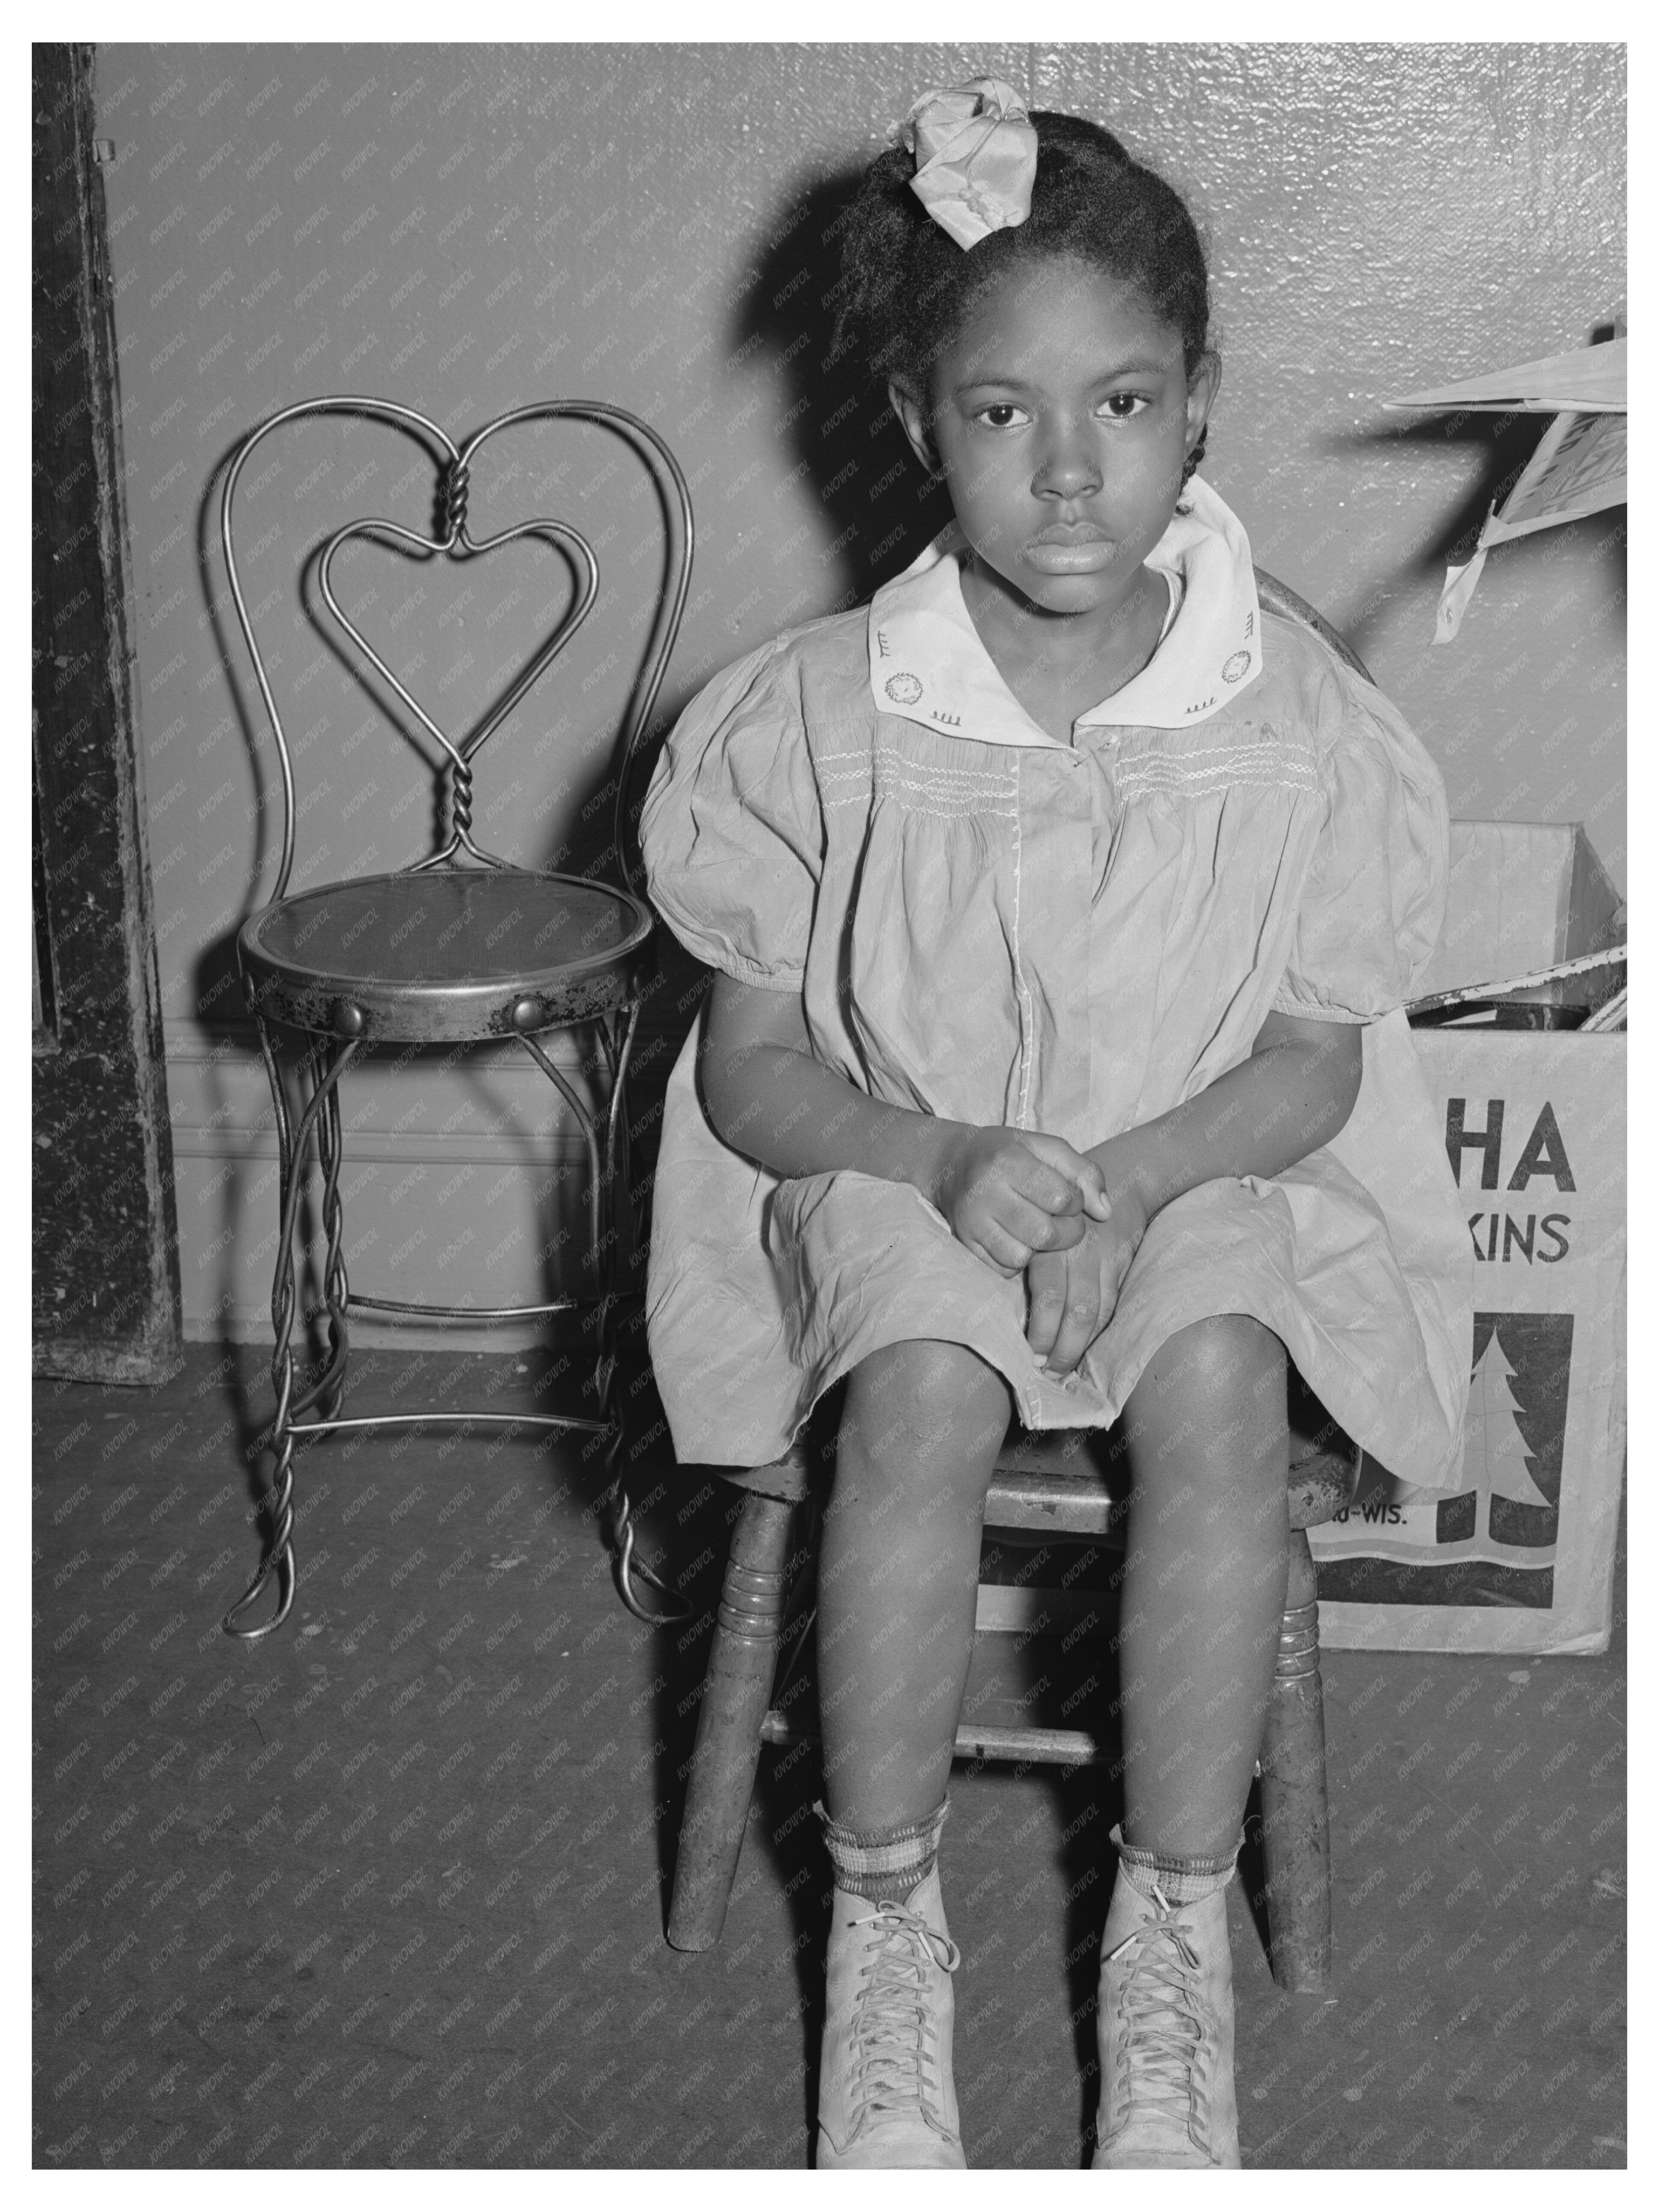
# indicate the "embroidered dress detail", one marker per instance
pixel 947 792
pixel 929 788
pixel 1194 772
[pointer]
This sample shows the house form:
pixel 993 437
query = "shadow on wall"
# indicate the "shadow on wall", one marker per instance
pixel 842 433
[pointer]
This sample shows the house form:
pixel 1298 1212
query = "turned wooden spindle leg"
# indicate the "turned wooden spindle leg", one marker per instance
pixel 735 1693
pixel 1296 1834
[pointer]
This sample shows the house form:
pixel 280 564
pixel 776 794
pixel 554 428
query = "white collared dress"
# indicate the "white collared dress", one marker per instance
pixel 984 923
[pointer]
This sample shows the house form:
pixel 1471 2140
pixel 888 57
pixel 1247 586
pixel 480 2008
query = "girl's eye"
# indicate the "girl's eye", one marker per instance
pixel 1001 415
pixel 1124 406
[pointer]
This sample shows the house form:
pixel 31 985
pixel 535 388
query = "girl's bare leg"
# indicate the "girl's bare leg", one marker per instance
pixel 921 1428
pixel 1204 1593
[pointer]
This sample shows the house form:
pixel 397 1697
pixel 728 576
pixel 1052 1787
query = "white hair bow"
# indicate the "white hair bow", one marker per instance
pixel 975 152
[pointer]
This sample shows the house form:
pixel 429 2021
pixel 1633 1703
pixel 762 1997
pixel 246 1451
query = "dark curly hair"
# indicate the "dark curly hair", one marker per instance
pixel 905 286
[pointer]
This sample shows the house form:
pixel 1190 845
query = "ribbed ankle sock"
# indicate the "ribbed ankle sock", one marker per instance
pixel 884 1863
pixel 1181 1881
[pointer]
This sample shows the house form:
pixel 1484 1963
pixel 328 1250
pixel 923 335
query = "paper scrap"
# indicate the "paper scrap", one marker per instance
pixel 1577 469
pixel 1460 581
pixel 1588 380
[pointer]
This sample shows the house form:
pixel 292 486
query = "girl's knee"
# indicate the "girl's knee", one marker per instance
pixel 1210 1410
pixel 1225 1359
pixel 926 1399
pixel 932 1371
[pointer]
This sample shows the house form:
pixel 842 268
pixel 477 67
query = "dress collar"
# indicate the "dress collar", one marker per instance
pixel 927 664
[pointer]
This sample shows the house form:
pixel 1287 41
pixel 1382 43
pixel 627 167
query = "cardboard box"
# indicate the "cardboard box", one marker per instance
pixel 1519 1556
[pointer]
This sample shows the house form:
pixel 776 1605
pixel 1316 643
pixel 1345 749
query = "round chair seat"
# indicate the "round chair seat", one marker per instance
pixel 446 956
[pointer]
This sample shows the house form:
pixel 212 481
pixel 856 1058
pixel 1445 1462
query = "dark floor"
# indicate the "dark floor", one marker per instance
pixel 389 1887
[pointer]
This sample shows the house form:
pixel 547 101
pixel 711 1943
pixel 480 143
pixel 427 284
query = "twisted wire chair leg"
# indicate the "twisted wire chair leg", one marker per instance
pixel 603 1258
pixel 279 1556
pixel 336 1287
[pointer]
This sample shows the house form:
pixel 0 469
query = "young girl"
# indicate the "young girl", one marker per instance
pixel 1062 905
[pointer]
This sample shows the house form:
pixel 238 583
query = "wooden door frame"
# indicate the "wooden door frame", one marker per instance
pixel 107 1296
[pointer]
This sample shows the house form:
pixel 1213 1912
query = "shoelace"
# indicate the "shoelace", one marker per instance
pixel 1162 2011
pixel 889 2021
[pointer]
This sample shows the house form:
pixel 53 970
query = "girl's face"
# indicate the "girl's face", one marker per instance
pixel 1061 416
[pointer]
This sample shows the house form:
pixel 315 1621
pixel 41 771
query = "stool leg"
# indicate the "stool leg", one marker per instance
pixel 1296 1834
pixel 735 1692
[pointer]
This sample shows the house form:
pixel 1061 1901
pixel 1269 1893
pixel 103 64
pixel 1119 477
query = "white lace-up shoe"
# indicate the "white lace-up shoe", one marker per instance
pixel 885 2094
pixel 1165 2028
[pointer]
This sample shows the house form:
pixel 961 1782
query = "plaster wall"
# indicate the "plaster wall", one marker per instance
pixel 465 229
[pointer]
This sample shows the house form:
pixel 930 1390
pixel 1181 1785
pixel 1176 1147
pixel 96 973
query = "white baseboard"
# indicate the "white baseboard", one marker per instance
pixel 464 1182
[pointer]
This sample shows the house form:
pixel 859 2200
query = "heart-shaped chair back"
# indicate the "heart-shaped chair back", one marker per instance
pixel 454 465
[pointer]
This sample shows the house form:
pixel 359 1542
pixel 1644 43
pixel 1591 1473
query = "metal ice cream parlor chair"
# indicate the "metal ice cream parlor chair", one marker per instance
pixel 459 949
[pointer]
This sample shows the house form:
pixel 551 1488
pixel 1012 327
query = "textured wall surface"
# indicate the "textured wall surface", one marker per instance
pixel 470 228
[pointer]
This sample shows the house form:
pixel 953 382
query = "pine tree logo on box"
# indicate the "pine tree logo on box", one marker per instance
pixel 1517 1422
pixel 1492 1544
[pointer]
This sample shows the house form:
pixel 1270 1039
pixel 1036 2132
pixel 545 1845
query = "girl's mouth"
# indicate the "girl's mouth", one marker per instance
pixel 1071 533
pixel 1083 551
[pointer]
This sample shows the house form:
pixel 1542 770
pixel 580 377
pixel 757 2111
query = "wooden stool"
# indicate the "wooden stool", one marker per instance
pixel 1048 1484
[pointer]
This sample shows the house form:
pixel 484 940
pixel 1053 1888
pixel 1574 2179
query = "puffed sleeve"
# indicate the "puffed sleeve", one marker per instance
pixel 730 828
pixel 1375 897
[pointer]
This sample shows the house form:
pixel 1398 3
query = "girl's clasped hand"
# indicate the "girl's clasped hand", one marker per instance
pixel 1075 1290
pixel 1028 1203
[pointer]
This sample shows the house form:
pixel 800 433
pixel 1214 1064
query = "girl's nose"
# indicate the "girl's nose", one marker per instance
pixel 1068 468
